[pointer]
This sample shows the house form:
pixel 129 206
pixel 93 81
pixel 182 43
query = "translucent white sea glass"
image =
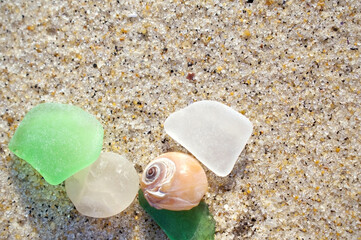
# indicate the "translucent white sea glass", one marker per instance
pixel 105 188
pixel 213 132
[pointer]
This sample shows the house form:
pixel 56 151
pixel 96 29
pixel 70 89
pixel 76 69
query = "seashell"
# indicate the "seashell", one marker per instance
pixel 174 181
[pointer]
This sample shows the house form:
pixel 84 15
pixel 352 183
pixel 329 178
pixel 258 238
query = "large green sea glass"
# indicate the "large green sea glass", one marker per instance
pixel 194 224
pixel 58 140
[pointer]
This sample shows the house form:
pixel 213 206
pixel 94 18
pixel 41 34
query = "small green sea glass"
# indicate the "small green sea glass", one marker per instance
pixel 58 140
pixel 194 224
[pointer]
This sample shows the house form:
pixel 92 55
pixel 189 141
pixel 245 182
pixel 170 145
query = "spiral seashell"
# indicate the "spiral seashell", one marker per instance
pixel 174 181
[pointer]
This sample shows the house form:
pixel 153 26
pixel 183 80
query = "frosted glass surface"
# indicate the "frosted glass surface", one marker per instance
pixel 105 188
pixel 213 132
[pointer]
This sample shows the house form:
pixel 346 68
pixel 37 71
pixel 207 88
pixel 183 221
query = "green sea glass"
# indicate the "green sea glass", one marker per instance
pixel 194 224
pixel 58 140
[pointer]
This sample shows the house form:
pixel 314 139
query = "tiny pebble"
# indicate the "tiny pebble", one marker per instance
pixel 132 15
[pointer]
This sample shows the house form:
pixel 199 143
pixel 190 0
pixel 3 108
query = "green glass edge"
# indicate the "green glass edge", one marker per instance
pixel 204 230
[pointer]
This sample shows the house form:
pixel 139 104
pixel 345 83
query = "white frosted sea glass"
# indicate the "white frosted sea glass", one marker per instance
pixel 105 188
pixel 213 132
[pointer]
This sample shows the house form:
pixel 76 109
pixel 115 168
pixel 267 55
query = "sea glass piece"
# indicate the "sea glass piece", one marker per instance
pixel 58 140
pixel 213 132
pixel 105 188
pixel 194 224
